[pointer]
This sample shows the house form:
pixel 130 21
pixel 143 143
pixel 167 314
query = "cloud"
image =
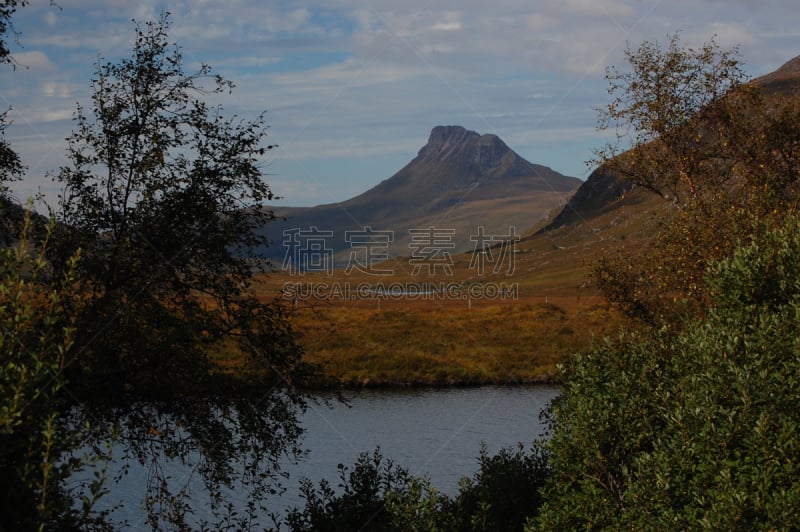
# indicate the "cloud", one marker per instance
pixel 594 8
pixel 731 34
pixel 51 19
pixel 563 37
pixel 34 60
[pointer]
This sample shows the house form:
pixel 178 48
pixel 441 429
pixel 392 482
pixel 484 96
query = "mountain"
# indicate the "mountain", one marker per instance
pixel 458 181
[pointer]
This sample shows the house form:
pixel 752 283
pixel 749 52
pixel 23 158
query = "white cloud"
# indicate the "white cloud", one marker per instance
pixel 446 26
pixel 51 19
pixel 54 89
pixel 594 8
pixel 34 60
pixel 730 34
pixel 538 22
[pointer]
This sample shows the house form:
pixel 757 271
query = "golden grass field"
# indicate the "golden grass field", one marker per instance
pixel 426 343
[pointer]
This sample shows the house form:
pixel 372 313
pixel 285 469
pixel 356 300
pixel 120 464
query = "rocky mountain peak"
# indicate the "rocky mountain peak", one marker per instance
pixel 458 143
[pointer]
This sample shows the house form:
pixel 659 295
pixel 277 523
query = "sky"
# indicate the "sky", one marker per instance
pixel 352 88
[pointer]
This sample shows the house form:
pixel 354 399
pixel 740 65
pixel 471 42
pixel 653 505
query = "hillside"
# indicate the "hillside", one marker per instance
pixel 603 194
pixel 782 81
pixel 459 180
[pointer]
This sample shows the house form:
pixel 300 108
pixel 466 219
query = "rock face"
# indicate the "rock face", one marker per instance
pixel 459 144
pixel 448 141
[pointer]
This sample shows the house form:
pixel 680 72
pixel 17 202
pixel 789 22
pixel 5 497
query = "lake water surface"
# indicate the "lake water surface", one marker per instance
pixel 437 432
pixel 433 432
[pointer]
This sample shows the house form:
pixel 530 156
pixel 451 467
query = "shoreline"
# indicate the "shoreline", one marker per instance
pixel 375 384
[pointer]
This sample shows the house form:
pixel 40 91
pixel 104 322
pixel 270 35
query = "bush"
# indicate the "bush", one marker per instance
pixel 36 443
pixel 362 503
pixel 504 492
pixel 692 429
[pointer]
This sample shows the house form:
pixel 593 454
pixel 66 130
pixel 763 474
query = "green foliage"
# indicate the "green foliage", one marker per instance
pixel 420 507
pixel 603 419
pixel 504 492
pixel 36 445
pixel 694 429
pixel 362 503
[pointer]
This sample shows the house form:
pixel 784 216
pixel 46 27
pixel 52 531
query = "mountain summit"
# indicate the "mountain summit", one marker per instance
pixel 461 166
pixel 783 81
pixel 481 154
pixel 482 157
pixel 459 180
pixel 455 142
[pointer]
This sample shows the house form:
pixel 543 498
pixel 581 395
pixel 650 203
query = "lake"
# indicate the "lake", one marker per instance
pixel 434 432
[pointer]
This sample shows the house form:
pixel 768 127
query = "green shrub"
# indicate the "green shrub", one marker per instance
pixel 696 429
pixel 361 504
pixel 36 441
pixel 505 492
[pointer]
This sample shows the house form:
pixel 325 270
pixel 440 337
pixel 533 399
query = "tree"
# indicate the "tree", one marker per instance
pixel 677 117
pixel 720 150
pixel 504 493
pixel 362 501
pixel 377 495
pixel 37 449
pixel 7 9
pixel 692 423
pixel 164 196
pixel 11 167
